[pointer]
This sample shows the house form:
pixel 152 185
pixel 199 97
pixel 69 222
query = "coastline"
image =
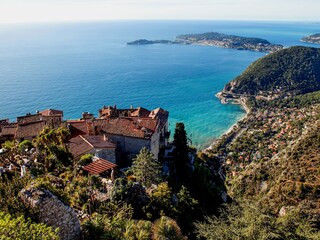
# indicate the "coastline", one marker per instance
pixel 234 129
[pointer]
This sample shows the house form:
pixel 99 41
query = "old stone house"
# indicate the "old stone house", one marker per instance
pixel 97 145
pixel 129 129
pixel 30 125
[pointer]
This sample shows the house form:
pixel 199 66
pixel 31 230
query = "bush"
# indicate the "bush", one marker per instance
pixel 20 228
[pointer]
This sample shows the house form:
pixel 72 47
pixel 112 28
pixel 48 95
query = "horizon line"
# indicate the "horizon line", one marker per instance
pixel 155 20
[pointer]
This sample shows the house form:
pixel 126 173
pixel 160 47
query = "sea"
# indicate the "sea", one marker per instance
pixel 81 66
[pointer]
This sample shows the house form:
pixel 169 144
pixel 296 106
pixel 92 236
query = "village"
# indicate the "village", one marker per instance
pixel 263 133
pixel 114 138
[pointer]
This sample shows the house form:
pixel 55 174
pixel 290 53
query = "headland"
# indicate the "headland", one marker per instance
pixel 217 39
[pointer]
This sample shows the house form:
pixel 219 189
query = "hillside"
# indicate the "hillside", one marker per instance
pixel 294 70
pixel 222 37
pixel 273 155
pixel 218 39
pixel 290 178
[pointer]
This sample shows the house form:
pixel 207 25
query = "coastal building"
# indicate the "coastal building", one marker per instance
pixel 129 129
pixel 117 134
pixel 96 145
pixel 30 125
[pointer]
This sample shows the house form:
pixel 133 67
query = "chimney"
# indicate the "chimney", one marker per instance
pixel 115 106
pixel 87 116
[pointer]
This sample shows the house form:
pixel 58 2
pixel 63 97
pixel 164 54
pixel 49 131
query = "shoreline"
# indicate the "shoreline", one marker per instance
pixel 235 126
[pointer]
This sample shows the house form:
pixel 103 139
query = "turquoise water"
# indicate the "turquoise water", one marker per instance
pixel 80 67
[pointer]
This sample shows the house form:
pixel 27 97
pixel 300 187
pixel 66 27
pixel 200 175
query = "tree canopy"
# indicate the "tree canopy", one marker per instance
pixel 295 69
pixel 146 169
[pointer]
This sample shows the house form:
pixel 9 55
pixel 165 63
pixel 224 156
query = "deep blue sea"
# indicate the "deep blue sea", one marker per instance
pixel 79 67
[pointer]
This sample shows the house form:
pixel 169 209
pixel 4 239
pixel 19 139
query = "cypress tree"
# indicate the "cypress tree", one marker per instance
pixel 180 152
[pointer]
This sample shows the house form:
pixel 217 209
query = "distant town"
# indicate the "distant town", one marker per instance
pixel 217 39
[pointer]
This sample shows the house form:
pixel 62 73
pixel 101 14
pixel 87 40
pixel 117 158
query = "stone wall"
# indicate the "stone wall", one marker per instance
pixel 107 154
pixel 130 144
pixel 53 212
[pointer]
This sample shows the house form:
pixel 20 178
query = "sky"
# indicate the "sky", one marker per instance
pixel 83 10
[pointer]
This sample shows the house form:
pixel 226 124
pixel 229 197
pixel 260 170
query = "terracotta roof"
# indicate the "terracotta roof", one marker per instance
pixel 99 166
pixel 140 112
pixel 78 127
pixel 29 118
pixel 51 112
pixel 29 130
pixel 161 114
pixel 98 142
pixel 132 127
pixel 81 145
pixel 9 130
pixel 78 147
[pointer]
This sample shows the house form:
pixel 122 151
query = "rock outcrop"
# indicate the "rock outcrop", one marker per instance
pixel 53 212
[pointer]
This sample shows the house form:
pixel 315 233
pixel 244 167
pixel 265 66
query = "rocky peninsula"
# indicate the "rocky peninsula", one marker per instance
pixel 315 39
pixel 218 39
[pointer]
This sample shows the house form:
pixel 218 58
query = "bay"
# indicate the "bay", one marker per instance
pixel 82 66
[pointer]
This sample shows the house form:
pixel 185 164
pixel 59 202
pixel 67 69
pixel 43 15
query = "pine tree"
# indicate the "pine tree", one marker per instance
pixel 146 168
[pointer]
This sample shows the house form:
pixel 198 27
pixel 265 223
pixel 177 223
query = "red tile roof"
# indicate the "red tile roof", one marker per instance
pixel 78 127
pixel 131 127
pixel 51 112
pixel 98 142
pixel 140 112
pixel 78 147
pixel 99 166
pixel 81 145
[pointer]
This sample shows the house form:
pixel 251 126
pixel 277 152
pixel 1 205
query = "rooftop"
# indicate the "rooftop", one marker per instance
pixel 131 127
pixel 27 130
pixel 99 166
pixel 81 145
pixel 51 112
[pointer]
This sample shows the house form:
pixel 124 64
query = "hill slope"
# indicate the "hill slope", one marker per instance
pixel 293 70
pixel 289 179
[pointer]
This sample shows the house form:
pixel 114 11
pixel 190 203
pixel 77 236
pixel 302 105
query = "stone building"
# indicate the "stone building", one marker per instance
pixel 97 145
pixel 129 129
pixel 30 125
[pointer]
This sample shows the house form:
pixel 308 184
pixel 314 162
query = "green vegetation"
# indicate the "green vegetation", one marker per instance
pixel 21 229
pixel 223 37
pixel 146 169
pixel 248 221
pixel 293 70
pixel 180 153
pixel 229 41
pixel 52 150
pixel 260 181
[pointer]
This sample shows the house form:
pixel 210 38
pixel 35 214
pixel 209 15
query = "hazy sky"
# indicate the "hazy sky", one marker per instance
pixel 72 10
